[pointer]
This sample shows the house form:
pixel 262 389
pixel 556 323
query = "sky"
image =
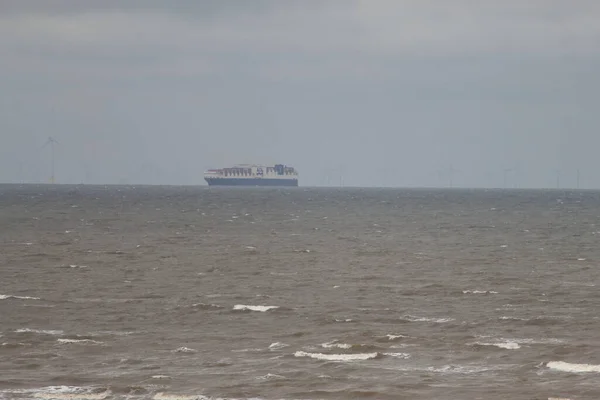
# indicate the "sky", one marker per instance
pixel 400 93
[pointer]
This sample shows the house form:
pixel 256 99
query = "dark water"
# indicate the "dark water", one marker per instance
pixel 143 293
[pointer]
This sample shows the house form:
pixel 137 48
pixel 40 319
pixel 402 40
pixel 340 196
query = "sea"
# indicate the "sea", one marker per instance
pixel 166 293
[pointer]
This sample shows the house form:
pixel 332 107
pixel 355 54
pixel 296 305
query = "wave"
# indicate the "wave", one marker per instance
pixel 398 355
pixel 64 392
pixel 337 357
pixel 515 343
pixel 509 318
pixel 462 369
pixel 166 396
pixel 40 331
pixel 160 377
pixel 270 376
pixel 412 318
pixel 346 346
pixel 575 368
pixel 184 350
pixel 334 344
pixel 541 320
pixel 277 346
pixel 13 346
pixel 78 341
pixel 112 333
pixel 10 296
pixel 253 350
pixel 534 341
pixel 502 345
pixel 394 337
pixel 479 292
pixel 242 307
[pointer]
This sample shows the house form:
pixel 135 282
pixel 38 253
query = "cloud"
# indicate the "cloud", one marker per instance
pixel 368 27
pixel 359 39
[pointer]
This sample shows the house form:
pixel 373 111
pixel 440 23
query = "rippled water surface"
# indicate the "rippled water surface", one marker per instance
pixel 202 293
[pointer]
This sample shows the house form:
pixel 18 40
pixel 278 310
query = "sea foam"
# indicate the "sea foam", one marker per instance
pixel 242 307
pixel 337 357
pixel 575 368
pixel 40 331
pixel 9 296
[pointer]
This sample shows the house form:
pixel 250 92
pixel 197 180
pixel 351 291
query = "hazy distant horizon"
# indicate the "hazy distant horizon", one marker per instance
pixel 301 186
pixel 387 93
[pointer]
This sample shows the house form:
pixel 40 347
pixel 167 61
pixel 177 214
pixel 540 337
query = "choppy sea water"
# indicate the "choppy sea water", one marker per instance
pixel 204 293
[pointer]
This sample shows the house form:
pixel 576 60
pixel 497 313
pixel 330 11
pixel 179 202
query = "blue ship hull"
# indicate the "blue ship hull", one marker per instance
pixel 251 182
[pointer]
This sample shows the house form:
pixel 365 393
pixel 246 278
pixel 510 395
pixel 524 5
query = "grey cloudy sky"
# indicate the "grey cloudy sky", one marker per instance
pixel 389 92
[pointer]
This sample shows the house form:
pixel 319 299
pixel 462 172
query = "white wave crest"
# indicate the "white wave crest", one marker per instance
pixel 184 350
pixel 336 357
pixel 398 355
pixel 40 331
pixel 462 369
pixel 242 307
pixel 254 350
pixel 502 345
pixel 66 392
pixel 536 341
pixel 394 337
pixel 166 396
pixel 78 341
pixel 10 296
pixel 509 318
pixel 270 376
pixel 479 292
pixel 115 333
pixel 334 344
pixel 576 368
pixel 277 346
pixel 412 318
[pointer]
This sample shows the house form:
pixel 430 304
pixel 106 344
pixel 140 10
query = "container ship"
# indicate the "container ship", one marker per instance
pixel 252 175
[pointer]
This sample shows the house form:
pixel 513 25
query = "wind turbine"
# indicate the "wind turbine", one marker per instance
pixel 578 178
pixel 506 171
pixel 450 171
pixel 51 141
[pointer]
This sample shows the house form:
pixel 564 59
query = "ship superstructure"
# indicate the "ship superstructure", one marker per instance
pixel 252 175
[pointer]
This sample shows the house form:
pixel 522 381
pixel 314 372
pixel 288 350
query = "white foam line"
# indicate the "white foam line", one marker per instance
pixel 78 341
pixel 334 344
pixel 424 319
pixel 166 396
pixel 242 307
pixel 575 368
pixel 41 331
pixel 277 346
pixel 398 355
pixel 394 337
pixel 479 292
pixel 9 296
pixel 505 345
pixel 64 392
pixel 271 376
pixel 336 357
pixel 184 350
